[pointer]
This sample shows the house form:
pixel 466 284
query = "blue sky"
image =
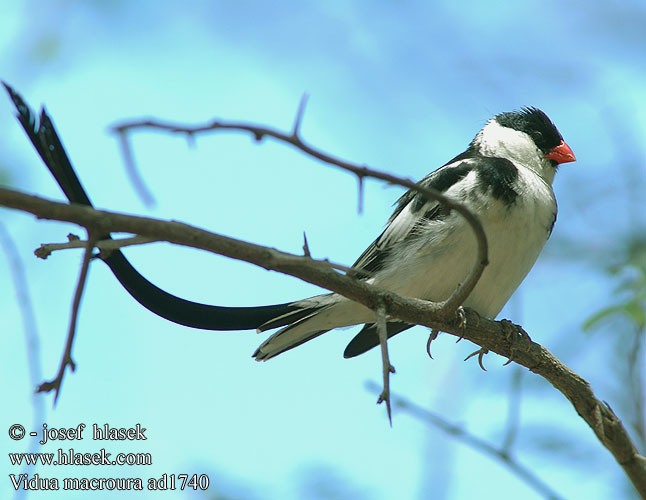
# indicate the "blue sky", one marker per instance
pixel 401 86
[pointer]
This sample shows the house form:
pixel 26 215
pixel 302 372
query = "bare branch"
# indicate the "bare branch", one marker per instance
pixel 387 368
pixel 32 341
pixel 500 454
pixel 46 249
pixel 491 335
pixel 513 413
pixel 55 384
pixel 107 246
pixel 131 169
pixel 299 115
pixel 19 279
pixel 448 307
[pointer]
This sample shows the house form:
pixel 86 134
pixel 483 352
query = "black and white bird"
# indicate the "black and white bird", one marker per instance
pixel 504 177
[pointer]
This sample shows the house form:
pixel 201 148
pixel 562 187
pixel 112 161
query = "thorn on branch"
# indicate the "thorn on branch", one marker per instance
pixel 299 116
pixel 190 139
pixel 360 195
pixel 306 247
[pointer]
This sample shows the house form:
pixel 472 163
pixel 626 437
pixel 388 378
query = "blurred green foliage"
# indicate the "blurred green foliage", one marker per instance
pixel 630 291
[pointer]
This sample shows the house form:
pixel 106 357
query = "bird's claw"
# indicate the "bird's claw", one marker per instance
pixel 431 338
pixel 480 352
pixel 462 317
pixel 514 334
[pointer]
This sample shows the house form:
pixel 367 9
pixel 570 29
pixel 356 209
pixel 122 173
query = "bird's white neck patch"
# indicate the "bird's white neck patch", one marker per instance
pixel 504 142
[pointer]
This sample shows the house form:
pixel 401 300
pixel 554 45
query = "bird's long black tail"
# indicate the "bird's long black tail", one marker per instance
pixel 43 136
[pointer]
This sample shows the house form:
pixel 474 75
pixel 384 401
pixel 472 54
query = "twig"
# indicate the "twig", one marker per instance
pixel 131 169
pixel 299 115
pixel 66 360
pixel 46 249
pixel 462 291
pixel 387 368
pixel 513 413
pixel 32 343
pixel 475 442
pixel 106 246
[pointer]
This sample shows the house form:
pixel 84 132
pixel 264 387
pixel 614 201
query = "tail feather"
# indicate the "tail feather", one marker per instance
pixel 302 320
pixel 318 315
pixel 43 136
pixel 367 338
pixel 286 339
pixel 289 318
pixel 300 326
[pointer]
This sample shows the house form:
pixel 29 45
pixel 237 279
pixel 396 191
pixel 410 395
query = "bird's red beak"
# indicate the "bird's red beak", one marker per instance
pixel 561 153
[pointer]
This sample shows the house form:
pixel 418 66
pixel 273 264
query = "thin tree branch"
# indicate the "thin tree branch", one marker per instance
pixel 513 413
pixel 19 278
pixel 107 246
pixel 66 360
pixel 32 342
pixel 299 115
pixel 131 169
pixel 258 132
pixel 489 334
pixel 500 454
pixel 46 249
pixel 387 368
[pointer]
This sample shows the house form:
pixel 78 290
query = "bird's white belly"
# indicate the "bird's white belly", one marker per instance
pixel 515 235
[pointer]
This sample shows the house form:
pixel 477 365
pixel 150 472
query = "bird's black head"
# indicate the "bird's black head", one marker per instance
pixel 534 123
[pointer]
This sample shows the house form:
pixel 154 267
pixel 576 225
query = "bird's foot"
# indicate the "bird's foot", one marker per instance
pixel 514 334
pixel 480 352
pixel 462 317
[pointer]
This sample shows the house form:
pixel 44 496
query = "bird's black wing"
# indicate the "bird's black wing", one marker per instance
pixel 43 136
pixel 412 211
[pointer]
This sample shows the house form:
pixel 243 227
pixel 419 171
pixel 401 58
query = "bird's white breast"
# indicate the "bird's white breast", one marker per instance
pixel 516 233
